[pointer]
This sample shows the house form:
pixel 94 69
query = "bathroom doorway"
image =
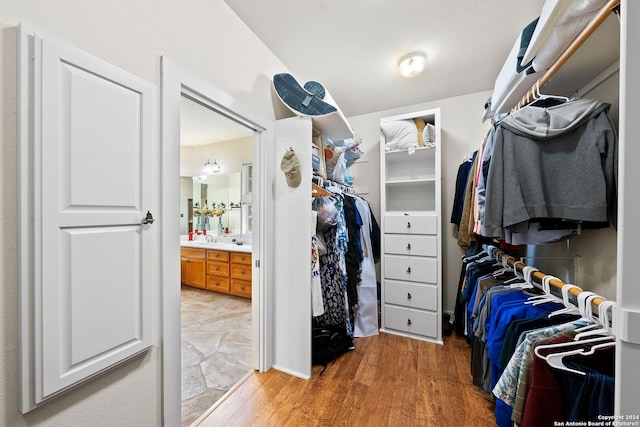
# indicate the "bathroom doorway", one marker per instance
pixel 215 207
pixel 178 83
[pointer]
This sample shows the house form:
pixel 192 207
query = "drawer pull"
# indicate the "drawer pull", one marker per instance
pixel 408 295
pixel 409 270
pixel 408 225
pixel 242 272
pixel 408 246
pixel 408 322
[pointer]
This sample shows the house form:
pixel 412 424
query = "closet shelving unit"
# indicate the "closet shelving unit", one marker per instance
pixel 411 295
pixel 292 221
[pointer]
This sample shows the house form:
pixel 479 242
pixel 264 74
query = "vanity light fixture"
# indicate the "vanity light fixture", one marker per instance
pixel 412 64
pixel 211 168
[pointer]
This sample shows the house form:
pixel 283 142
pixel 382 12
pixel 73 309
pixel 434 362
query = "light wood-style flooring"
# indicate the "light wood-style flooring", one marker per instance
pixel 386 381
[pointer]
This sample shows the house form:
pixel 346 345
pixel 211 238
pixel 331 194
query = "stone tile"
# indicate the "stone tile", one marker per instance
pixel 221 371
pixel 196 406
pixel 216 348
pixel 190 356
pixel 193 383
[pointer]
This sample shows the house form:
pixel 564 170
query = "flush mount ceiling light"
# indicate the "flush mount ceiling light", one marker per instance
pixel 412 64
pixel 211 168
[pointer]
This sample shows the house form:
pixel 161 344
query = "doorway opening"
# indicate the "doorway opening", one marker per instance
pixel 178 84
pixel 216 213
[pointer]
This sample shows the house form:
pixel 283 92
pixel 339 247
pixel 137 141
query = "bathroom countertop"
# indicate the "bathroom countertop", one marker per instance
pixel 221 246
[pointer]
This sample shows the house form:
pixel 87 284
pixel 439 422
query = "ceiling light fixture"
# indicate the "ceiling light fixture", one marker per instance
pixel 211 168
pixel 412 64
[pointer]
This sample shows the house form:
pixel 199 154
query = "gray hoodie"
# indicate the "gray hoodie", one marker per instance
pixel 555 162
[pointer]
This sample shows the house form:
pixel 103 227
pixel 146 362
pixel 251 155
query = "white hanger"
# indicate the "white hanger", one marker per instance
pixel 516 274
pixel 556 360
pixel 539 96
pixel 547 297
pixel 527 271
pixel 505 265
pixel 569 307
pixel 603 321
pixel 584 305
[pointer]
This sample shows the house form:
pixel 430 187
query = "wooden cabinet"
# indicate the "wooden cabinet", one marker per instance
pixel 215 270
pixel 411 236
pixel 192 267
pixel 218 271
pixel 241 274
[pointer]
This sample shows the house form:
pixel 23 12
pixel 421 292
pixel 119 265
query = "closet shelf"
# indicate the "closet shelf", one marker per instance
pixel 407 152
pixel 410 181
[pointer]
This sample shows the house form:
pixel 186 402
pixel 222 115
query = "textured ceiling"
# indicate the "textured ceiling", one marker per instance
pixel 352 47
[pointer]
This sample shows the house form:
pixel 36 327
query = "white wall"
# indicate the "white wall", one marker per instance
pixel 203 36
pixel 462 133
pixel 230 156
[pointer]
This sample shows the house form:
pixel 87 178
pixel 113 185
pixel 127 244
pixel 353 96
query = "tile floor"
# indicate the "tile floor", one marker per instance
pixel 216 348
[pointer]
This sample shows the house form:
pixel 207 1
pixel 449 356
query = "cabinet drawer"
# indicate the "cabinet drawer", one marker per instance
pixel 410 224
pixel 407 244
pixel 241 271
pixel 192 253
pixel 218 284
pixel 241 258
pixel 218 268
pixel 214 255
pixel 411 295
pixel 411 321
pixel 410 268
pixel 241 288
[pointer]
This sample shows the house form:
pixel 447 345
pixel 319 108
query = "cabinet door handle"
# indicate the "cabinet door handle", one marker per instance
pixel 408 322
pixel 408 225
pixel 409 270
pixel 408 295
pixel 408 246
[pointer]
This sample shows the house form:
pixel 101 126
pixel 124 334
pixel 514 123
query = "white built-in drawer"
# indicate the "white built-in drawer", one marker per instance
pixel 410 224
pixel 408 244
pixel 411 268
pixel 411 294
pixel 411 320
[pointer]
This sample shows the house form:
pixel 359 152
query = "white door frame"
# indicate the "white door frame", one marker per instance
pixel 177 81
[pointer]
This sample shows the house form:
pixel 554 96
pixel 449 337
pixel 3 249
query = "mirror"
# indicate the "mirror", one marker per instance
pixel 221 195
pixel 206 136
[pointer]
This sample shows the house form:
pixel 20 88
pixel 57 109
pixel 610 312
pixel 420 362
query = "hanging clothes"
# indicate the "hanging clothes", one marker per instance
pixel 557 162
pixel 366 316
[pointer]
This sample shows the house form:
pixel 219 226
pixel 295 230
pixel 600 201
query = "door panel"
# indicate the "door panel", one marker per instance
pixel 93 166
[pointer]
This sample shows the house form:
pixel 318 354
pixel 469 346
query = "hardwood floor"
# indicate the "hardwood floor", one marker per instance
pixel 386 381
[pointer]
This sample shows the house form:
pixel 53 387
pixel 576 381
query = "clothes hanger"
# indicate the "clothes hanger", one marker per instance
pixel 527 271
pixel 547 297
pixel 604 327
pixel 585 299
pixel 505 265
pixel 568 306
pixel 556 360
pixel 317 191
pixel 516 274
pixel 542 100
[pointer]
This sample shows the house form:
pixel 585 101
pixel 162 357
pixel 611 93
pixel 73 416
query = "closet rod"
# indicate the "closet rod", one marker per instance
pixel 519 265
pixel 573 47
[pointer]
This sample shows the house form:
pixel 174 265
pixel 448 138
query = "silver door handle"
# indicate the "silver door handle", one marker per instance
pixel 148 219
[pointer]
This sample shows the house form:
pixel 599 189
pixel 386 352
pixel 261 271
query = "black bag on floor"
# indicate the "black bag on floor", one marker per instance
pixel 328 342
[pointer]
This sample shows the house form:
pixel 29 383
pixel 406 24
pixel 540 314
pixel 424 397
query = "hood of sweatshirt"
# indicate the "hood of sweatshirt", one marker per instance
pixel 545 123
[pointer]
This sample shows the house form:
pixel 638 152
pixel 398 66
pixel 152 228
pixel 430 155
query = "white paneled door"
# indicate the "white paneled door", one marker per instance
pixel 92 248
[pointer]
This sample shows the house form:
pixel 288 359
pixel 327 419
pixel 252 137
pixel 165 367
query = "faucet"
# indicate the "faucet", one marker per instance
pixel 209 238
